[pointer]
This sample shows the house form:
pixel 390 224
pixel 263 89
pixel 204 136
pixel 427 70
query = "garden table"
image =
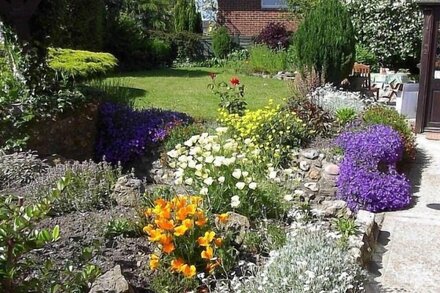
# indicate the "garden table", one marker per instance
pixel 387 78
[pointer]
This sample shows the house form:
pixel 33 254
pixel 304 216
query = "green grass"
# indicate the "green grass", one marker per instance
pixel 185 90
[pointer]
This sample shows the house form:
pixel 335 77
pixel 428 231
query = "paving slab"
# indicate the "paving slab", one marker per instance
pixel 407 258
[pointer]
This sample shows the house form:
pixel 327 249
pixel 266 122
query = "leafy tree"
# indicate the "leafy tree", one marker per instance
pixel 391 30
pixel 325 41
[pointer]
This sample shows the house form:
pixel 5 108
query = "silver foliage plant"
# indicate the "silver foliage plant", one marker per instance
pixel 331 99
pixel 19 169
pixel 311 261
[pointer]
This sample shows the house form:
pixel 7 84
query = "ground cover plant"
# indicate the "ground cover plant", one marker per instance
pixel 368 177
pixel 126 134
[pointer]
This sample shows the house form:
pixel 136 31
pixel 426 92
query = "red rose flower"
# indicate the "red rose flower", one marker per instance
pixel 234 81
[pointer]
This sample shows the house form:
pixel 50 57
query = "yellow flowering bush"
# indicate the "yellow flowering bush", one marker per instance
pixel 181 231
pixel 273 129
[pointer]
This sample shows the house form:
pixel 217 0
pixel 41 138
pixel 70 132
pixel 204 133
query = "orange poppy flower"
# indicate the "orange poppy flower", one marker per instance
pixel 188 271
pixel 160 202
pixel 179 202
pixel 201 219
pixel 191 209
pixel 208 253
pixel 181 214
pixel 165 224
pixel 167 244
pixel 223 218
pixel 177 264
pixel 218 242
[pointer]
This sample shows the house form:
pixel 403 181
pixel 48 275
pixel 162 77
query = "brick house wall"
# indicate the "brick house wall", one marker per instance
pixel 248 18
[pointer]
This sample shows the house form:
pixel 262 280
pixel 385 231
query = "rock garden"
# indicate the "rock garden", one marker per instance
pixel 99 194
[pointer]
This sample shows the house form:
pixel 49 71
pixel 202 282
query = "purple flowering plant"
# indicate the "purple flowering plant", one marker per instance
pixel 126 134
pixel 368 178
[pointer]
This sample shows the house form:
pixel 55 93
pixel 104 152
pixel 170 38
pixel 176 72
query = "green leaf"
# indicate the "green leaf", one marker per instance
pixel 56 233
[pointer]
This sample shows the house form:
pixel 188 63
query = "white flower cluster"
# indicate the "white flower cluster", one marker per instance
pixel 214 163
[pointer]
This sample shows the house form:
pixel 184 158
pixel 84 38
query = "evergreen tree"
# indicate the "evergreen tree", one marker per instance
pixel 325 41
pixel 186 17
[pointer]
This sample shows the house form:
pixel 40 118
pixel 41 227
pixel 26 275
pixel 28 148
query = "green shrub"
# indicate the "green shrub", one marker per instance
pixel 325 41
pixel 366 56
pixel 345 115
pixel 311 261
pixel 221 42
pixel 121 227
pixel 389 116
pixel 161 51
pixel 19 235
pixel 80 65
pixel 187 46
pixel 264 59
pixel 90 186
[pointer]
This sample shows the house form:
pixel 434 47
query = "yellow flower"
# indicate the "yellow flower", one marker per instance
pixel 223 218
pixel 154 262
pixel 181 230
pixel 208 253
pixel 163 211
pixel 204 241
pixel 155 235
pixel 188 271
pixel 196 200
pixel 177 264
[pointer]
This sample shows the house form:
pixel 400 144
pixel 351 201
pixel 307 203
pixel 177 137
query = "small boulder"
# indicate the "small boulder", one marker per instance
pixel 331 169
pixel 314 174
pixel 127 191
pixel 310 154
pixel 312 186
pixel 112 282
pixel 304 165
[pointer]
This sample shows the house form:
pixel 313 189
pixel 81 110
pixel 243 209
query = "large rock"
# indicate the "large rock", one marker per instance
pixel 236 223
pixel 128 191
pixel 112 282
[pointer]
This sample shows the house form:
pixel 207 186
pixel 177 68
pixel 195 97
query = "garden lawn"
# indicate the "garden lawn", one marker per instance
pixel 185 90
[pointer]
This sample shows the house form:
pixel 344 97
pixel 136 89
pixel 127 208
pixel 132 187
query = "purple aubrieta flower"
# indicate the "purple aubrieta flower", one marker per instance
pixel 125 134
pixel 368 178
